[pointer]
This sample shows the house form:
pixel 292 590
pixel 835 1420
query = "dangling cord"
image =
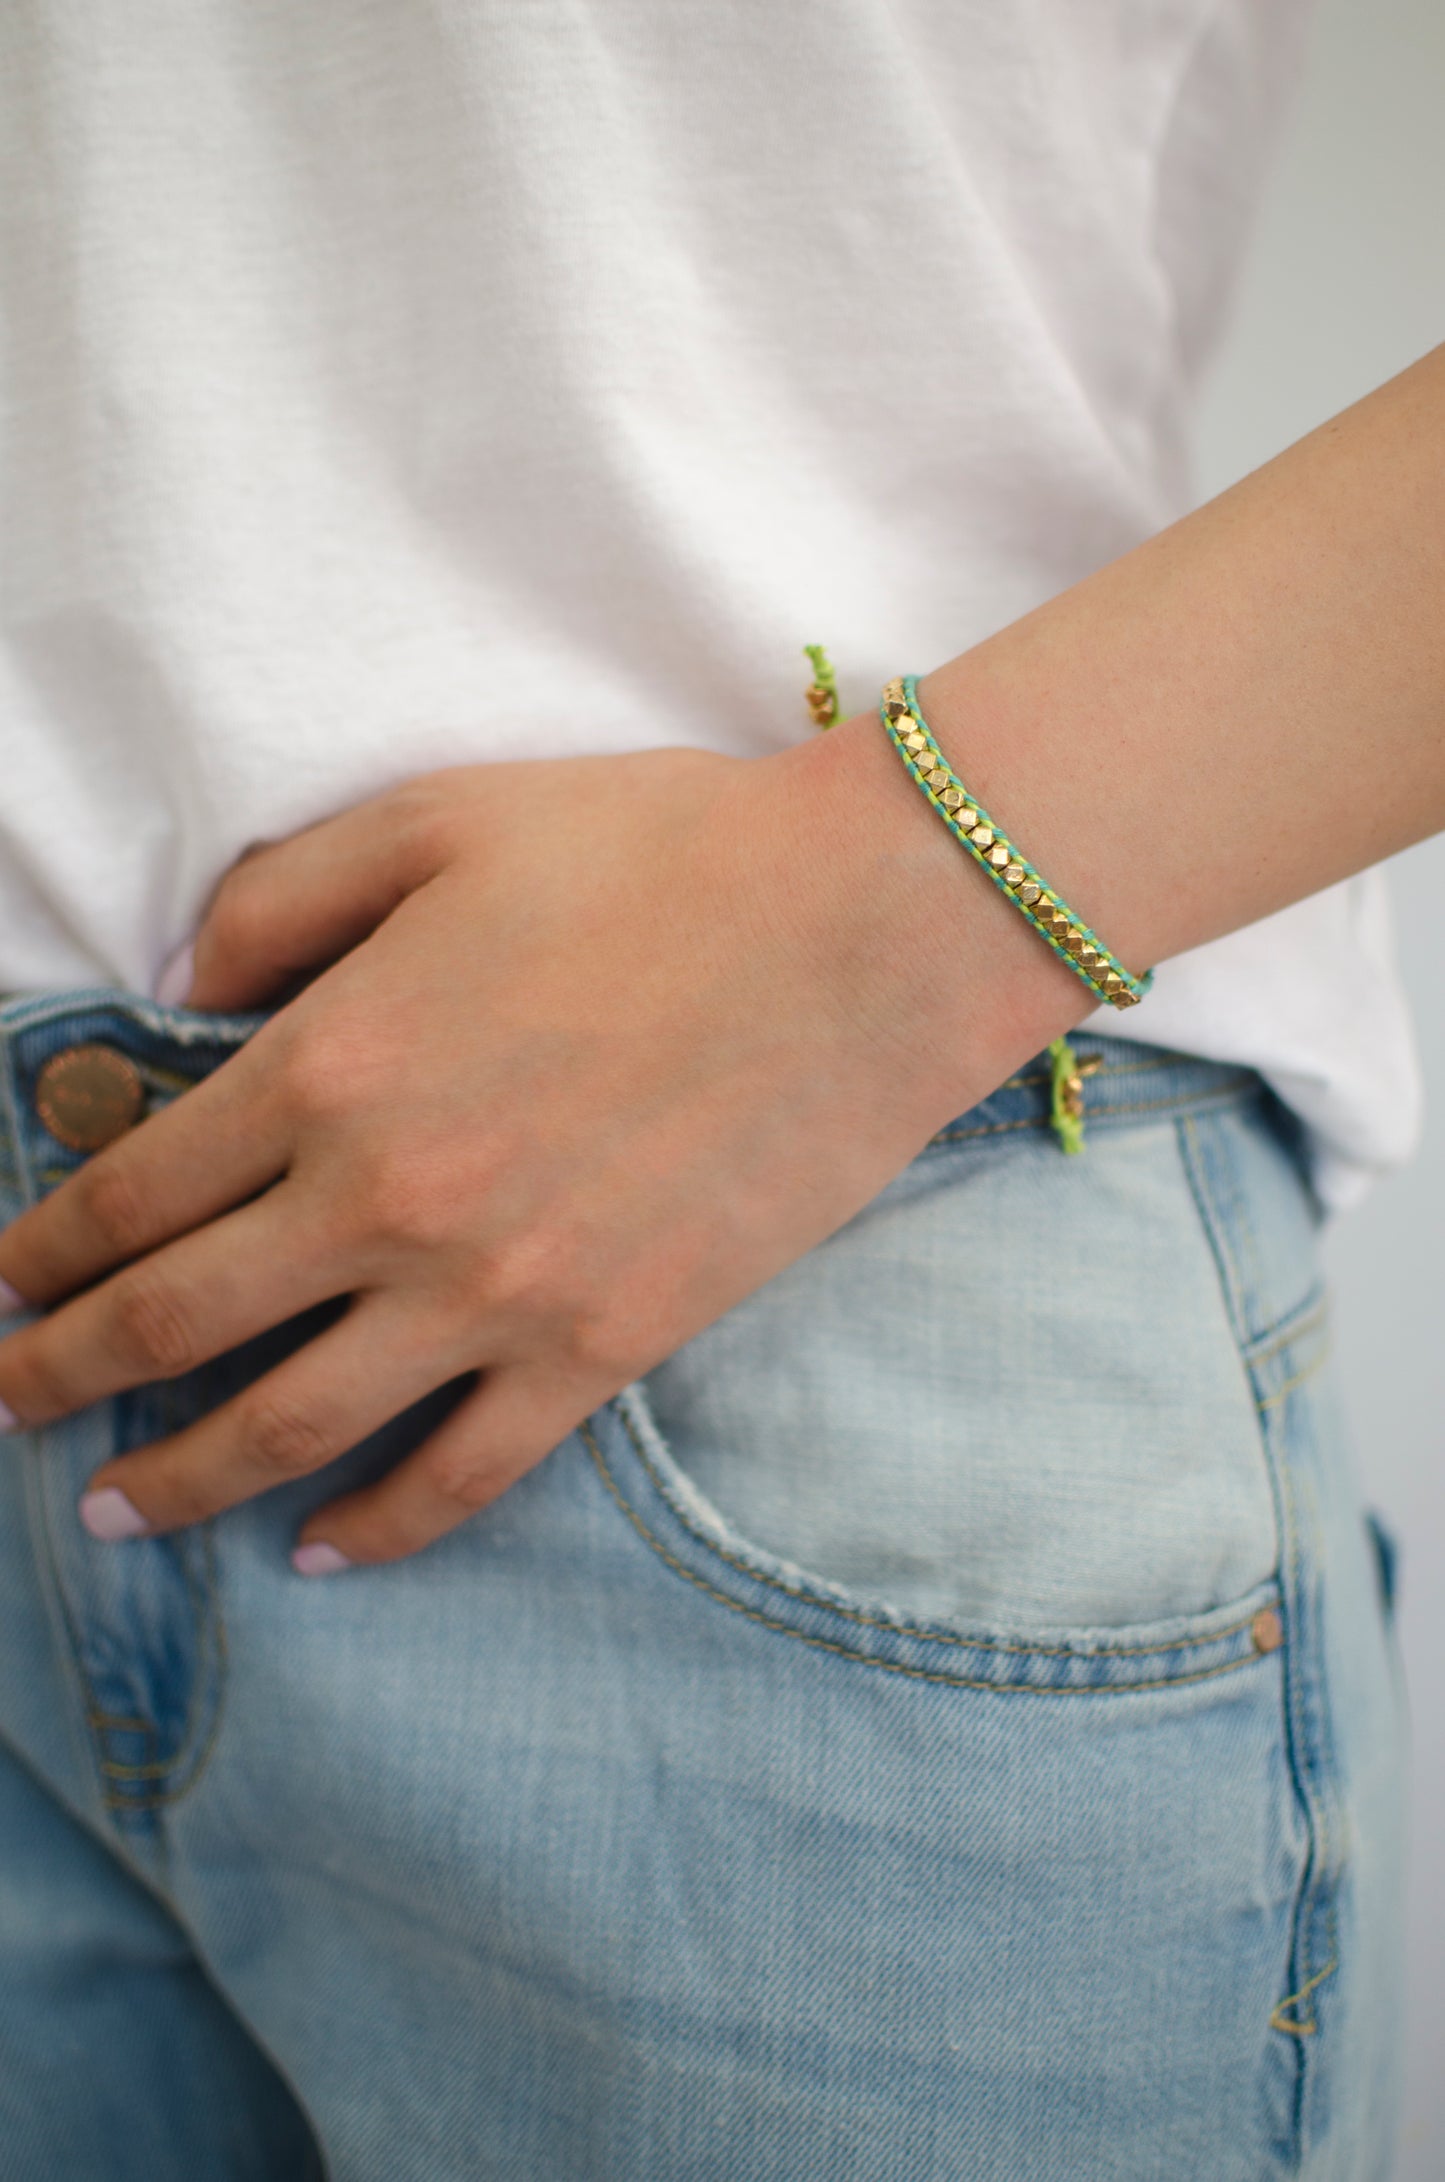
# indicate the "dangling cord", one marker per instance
pixel 822 696
pixel 1066 1070
pixel 1066 1096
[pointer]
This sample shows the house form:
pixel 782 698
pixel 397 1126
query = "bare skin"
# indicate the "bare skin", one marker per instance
pixel 596 1049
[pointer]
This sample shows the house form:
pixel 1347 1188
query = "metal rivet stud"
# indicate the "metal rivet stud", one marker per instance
pixel 89 1095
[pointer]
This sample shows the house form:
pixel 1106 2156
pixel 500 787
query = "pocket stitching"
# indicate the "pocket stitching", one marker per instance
pixel 895 1666
pixel 1301 1378
pixel 1318 1882
pixel 808 1597
pixel 1306 1318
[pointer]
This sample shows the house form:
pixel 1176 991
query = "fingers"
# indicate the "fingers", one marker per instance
pixel 331 1394
pixel 175 1309
pixel 300 904
pixel 490 1439
pixel 224 1140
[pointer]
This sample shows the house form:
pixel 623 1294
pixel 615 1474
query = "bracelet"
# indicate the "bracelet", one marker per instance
pixel 969 822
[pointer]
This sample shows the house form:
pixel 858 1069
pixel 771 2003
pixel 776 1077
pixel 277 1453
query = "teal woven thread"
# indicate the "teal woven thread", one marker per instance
pixel 1138 986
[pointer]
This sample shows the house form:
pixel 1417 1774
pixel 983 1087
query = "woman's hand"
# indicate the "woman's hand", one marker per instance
pixel 595 1048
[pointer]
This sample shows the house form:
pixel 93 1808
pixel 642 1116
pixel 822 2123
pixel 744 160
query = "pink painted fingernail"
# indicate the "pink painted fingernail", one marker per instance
pixel 11 1301
pixel 109 1515
pixel 177 977
pixel 9 1422
pixel 318 1559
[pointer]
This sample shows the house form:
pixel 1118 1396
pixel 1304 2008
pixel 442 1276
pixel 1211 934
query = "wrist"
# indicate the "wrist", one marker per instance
pixel 928 956
pixel 1058 779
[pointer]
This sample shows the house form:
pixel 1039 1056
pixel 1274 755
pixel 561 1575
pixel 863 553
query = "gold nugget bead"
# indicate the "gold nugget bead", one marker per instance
pixel 1106 978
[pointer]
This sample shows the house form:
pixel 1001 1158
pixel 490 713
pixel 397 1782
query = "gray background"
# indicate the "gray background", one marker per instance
pixel 1345 285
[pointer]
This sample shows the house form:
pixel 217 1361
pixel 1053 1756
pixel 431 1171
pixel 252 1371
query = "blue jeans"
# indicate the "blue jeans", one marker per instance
pixel 943 1723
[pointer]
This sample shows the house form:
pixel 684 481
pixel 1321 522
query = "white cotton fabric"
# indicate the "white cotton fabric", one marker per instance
pixel 375 379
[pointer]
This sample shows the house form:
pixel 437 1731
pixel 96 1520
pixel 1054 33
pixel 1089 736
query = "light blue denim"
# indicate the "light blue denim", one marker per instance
pixel 861 1754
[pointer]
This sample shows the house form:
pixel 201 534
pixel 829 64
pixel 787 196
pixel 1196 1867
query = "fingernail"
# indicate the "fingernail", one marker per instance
pixel 177 977
pixel 11 1301
pixel 9 1422
pixel 109 1515
pixel 318 1559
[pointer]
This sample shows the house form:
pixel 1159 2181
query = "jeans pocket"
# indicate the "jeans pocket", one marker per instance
pixel 1007 1396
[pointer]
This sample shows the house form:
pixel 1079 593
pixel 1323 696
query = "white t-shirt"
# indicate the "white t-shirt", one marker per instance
pixel 371 374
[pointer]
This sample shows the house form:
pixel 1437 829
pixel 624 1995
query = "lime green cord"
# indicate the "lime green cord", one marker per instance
pixel 1065 1119
pixel 825 680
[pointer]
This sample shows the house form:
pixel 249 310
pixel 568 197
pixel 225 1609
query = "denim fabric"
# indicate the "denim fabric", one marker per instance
pixel 861 1751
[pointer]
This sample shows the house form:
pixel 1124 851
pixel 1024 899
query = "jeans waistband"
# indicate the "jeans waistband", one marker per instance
pixel 172 1048
pixel 1120 1082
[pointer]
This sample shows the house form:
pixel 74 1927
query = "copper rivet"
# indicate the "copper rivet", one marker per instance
pixel 1267 1630
pixel 87 1096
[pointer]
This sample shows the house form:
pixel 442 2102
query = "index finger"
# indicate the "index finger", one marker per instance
pixel 218 1143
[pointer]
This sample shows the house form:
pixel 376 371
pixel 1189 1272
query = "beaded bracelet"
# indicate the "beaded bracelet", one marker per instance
pixel 969 822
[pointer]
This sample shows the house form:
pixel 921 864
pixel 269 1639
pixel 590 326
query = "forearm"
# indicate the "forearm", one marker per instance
pixel 1245 709
pixel 589 1049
